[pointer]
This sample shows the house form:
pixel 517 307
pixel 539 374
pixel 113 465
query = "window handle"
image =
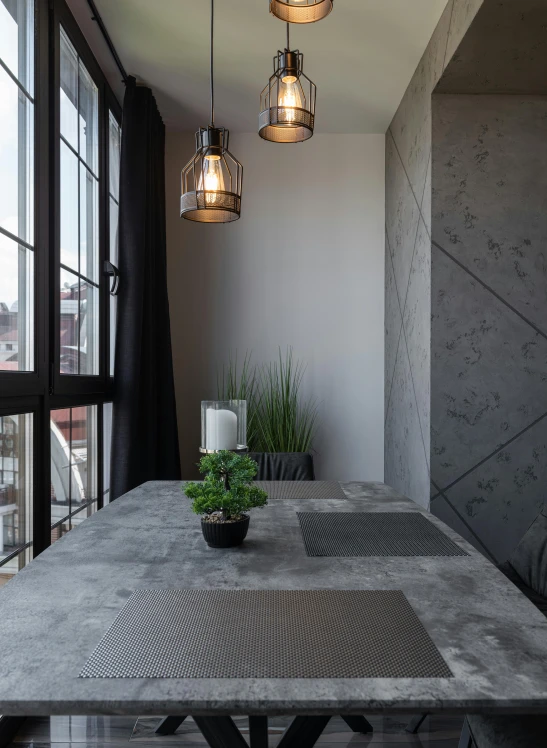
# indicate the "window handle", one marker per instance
pixel 112 270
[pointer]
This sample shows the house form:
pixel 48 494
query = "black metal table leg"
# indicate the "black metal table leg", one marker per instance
pixel 169 725
pixel 258 732
pixel 357 723
pixel 9 727
pixel 466 739
pixel 415 724
pixel 220 732
pixel 303 732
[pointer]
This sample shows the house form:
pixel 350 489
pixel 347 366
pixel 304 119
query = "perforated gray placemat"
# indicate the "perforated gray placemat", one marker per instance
pixel 266 634
pixel 302 489
pixel 374 534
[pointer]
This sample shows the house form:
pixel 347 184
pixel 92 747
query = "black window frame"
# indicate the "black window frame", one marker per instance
pixel 67 384
pixel 45 389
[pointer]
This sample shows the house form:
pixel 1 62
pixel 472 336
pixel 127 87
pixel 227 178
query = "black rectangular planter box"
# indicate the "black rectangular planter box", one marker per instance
pixel 283 465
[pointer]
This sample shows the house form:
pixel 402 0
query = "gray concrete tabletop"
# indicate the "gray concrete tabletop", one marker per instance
pixel 56 610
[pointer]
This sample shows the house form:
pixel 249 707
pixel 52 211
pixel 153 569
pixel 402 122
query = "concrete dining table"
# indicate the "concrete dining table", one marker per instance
pixel 489 641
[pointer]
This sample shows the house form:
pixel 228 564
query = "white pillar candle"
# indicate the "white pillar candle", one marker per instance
pixel 220 429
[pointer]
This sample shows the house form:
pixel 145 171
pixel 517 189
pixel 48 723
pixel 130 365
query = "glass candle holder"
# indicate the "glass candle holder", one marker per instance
pixel 223 426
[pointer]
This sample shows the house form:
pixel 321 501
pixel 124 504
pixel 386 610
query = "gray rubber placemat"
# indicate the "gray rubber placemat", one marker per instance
pixel 181 633
pixel 374 534
pixel 302 489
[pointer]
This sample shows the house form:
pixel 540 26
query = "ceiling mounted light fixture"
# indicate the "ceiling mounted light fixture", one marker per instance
pixel 301 11
pixel 211 182
pixel 287 103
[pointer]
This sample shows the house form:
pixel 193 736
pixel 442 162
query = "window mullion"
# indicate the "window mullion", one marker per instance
pixel 79 248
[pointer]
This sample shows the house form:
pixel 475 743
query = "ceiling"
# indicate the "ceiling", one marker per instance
pixel 361 56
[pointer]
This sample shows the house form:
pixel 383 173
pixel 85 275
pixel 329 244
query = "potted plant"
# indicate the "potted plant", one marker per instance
pixel 225 495
pixel 280 423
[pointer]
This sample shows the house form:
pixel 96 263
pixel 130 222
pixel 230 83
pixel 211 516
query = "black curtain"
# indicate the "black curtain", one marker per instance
pixel 144 436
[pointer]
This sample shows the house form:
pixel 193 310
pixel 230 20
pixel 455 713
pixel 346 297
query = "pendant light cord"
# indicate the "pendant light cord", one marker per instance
pixel 288 40
pixel 212 59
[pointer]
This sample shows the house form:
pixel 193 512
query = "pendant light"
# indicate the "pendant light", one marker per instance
pixel 301 11
pixel 287 103
pixel 211 182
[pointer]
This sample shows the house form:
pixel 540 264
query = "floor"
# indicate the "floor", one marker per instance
pixel 116 732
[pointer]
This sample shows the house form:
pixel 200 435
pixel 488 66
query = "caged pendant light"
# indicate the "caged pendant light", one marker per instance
pixel 287 103
pixel 301 11
pixel 211 182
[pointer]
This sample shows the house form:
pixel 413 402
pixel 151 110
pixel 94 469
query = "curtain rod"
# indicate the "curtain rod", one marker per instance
pixel 96 16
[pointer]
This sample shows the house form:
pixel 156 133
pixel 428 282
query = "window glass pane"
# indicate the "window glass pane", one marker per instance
pixel 17 40
pixel 114 211
pixel 70 320
pixel 69 91
pixel 59 530
pixel 62 527
pixel 74 465
pixel 89 225
pixel 16 306
pixel 86 511
pixel 89 328
pixel 89 119
pixel 16 187
pixel 114 141
pixel 9 162
pixel 9 36
pixel 79 198
pixel 15 493
pixel 16 160
pixel 84 455
pixel 69 208
pixel 107 446
pixel 79 326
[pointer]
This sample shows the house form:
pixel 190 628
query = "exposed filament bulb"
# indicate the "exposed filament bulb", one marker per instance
pixel 212 179
pixel 289 97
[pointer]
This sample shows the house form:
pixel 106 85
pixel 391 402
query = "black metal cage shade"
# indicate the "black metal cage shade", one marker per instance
pixel 211 182
pixel 301 11
pixel 273 127
pixel 287 102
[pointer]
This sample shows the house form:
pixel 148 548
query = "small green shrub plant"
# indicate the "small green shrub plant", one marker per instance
pixel 227 491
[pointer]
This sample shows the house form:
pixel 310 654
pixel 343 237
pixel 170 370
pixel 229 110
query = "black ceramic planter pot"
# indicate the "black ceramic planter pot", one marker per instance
pixel 283 465
pixel 225 534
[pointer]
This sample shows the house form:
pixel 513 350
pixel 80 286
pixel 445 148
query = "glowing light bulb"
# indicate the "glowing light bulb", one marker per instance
pixel 212 179
pixel 289 97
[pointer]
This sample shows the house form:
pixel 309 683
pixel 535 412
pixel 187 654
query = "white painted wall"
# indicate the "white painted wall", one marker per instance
pixel 304 266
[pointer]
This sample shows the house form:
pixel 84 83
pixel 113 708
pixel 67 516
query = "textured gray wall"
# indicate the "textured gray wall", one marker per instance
pixel 408 256
pixel 466 337
pixel 489 314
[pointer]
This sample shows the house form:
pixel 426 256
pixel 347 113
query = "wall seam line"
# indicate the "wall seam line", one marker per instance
pixel 473 533
pixel 488 288
pixel 410 183
pixel 403 306
pixel 420 218
pixel 404 169
pixel 423 191
pixel 389 130
pixel 447 38
pixel 388 403
pixel 417 409
pixel 489 457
